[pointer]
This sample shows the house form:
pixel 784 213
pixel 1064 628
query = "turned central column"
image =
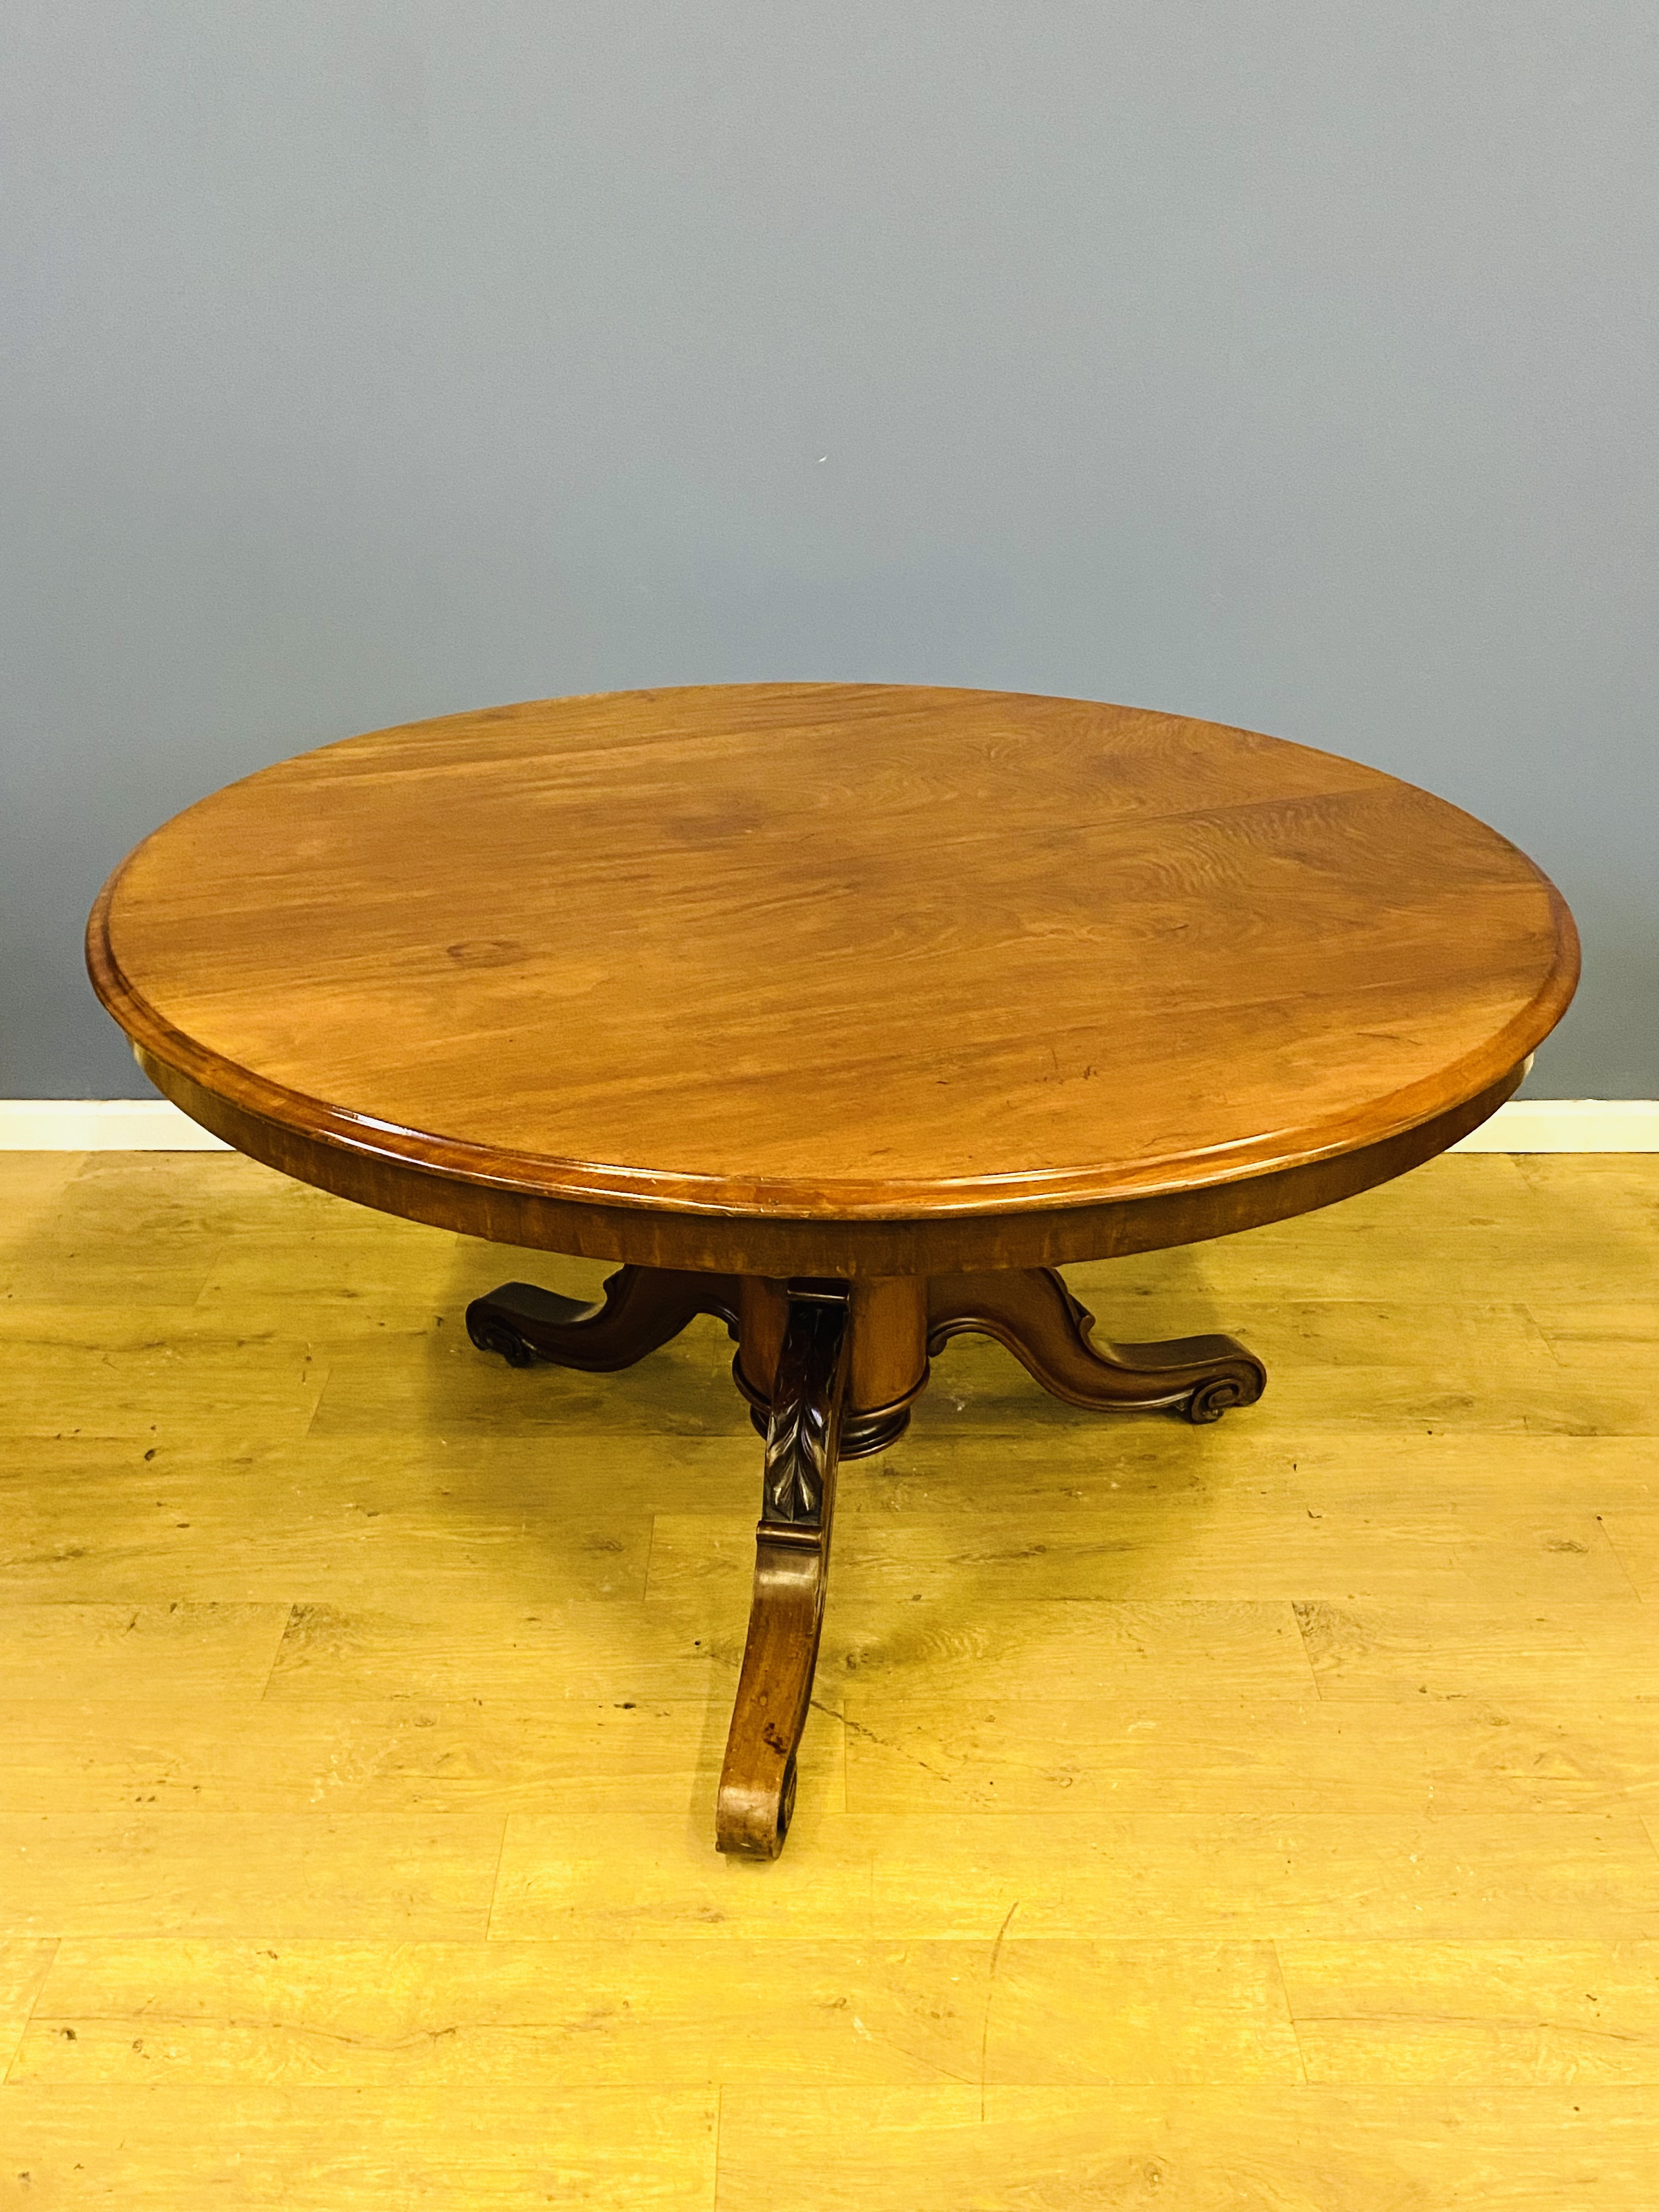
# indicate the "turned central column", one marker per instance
pixel 888 1322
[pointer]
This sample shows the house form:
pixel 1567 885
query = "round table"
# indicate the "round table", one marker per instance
pixel 844 1012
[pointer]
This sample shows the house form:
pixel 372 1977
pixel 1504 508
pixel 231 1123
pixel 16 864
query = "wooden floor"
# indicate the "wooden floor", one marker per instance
pixel 1259 1817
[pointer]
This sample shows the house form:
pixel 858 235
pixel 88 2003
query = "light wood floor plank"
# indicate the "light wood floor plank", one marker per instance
pixel 1476 2014
pixel 1145 1549
pixel 1599 1183
pixel 394 1276
pixel 1600 1248
pixel 411 1380
pixel 1204 2150
pixel 1543 1476
pixel 161 1870
pixel 580 2013
pixel 167 2148
pixel 494 1651
pixel 84 1520
pixel 33 1185
pixel 175 1209
pixel 1579 1656
pixel 1613 1342
pixel 152 1380
pixel 1136 1752
pixel 1106 1876
pixel 259 1522
pixel 361 1761
pixel 152 1653
pixel 1095 1464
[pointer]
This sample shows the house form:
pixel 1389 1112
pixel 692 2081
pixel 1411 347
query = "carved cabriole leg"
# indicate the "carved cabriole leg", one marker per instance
pixel 1031 1311
pixel 791 1562
pixel 641 1309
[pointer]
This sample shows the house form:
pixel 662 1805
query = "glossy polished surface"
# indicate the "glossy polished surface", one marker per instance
pixel 854 953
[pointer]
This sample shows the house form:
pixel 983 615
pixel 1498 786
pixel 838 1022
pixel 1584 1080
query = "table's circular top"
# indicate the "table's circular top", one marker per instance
pixel 835 952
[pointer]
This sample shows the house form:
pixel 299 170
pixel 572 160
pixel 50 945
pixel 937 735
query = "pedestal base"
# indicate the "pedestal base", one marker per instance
pixel 830 1371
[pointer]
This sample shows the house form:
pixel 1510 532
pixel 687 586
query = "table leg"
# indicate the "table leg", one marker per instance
pixel 835 1367
pixel 641 1307
pixel 1033 1313
pixel 792 1560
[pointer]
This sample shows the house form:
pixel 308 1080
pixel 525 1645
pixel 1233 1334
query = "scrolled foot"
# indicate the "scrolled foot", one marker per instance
pixel 489 1326
pixel 1219 1396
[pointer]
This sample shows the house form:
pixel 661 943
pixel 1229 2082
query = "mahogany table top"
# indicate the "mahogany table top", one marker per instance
pixel 878 976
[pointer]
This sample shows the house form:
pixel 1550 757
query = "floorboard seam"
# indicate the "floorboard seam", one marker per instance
pixel 16 2050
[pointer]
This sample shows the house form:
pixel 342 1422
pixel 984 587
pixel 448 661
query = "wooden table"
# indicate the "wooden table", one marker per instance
pixel 844 1012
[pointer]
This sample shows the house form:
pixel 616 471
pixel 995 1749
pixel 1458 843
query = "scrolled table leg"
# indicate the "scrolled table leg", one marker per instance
pixel 792 1560
pixel 641 1309
pixel 1033 1313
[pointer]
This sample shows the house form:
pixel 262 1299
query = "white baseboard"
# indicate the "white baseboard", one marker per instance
pixel 155 1125
pixel 1568 1125
pixel 100 1125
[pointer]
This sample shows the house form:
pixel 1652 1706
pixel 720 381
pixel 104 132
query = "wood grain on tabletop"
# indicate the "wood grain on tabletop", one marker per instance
pixel 831 953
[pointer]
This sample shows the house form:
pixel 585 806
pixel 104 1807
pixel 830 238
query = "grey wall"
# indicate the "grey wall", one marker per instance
pixel 1289 362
